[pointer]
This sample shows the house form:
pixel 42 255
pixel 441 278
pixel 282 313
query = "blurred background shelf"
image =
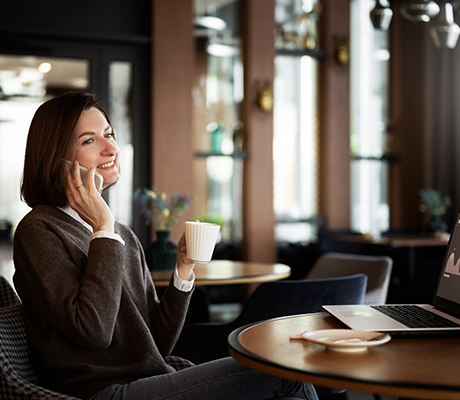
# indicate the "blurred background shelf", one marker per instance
pixel 236 154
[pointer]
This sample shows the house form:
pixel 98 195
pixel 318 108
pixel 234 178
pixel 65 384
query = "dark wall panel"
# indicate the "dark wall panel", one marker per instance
pixel 90 18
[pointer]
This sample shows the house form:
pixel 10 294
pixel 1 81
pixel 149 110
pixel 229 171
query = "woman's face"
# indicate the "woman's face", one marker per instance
pixel 95 146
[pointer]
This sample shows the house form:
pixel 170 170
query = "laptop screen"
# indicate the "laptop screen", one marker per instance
pixel 448 291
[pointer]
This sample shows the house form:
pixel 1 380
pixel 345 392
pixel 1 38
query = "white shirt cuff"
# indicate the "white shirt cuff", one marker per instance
pixel 108 235
pixel 184 286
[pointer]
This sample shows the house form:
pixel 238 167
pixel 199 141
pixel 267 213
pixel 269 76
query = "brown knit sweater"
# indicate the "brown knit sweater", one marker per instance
pixel 90 306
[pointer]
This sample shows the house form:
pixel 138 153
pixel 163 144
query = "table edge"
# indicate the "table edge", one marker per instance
pixel 259 278
pixel 397 389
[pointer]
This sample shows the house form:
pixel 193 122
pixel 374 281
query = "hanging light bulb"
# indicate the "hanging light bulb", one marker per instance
pixel 444 30
pixel 419 11
pixel 210 22
pixel 381 16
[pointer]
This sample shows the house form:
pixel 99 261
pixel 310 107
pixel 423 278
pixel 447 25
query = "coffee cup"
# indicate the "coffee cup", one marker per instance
pixel 201 238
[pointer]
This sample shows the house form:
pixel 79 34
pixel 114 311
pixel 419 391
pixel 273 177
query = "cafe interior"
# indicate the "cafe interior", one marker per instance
pixel 301 127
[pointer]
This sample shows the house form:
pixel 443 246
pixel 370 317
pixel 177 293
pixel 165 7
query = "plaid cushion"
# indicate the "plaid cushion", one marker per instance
pixel 8 296
pixel 18 376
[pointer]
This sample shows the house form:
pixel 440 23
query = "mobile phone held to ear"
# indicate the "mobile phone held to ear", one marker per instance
pixel 98 179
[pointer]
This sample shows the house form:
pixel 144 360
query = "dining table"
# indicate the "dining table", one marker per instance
pixel 409 367
pixel 228 272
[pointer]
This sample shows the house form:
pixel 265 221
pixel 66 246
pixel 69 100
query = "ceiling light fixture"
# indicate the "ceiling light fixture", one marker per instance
pixel 381 16
pixel 419 11
pixel 445 31
pixel 45 67
pixel 210 22
pixel 222 50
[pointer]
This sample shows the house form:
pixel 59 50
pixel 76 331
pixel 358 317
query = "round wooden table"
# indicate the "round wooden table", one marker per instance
pixel 423 368
pixel 224 272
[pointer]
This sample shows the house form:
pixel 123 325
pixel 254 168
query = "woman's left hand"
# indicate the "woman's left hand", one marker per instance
pixel 184 265
pixel 87 202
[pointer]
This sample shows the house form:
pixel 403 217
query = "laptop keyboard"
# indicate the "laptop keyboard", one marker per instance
pixel 415 316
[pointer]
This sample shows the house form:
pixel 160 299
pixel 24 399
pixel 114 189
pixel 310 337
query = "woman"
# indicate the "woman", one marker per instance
pixel 90 305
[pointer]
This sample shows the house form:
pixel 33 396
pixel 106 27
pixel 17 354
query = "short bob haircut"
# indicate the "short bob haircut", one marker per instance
pixel 51 134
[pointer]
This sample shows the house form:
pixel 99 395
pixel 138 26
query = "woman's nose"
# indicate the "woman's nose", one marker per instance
pixel 110 147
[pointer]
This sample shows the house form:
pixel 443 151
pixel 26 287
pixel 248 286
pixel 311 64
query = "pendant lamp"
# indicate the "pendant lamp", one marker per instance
pixel 381 16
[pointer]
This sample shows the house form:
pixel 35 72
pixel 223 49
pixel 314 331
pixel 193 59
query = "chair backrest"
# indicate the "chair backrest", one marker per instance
pixel 202 342
pixel 8 296
pixel 377 268
pixel 282 298
pixel 18 362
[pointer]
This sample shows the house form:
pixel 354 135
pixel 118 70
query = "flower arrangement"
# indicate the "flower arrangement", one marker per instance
pixel 435 206
pixel 160 209
pixel 218 119
pixel 223 114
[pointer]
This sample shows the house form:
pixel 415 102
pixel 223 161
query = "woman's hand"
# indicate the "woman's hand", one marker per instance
pixel 87 202
pixel 184 265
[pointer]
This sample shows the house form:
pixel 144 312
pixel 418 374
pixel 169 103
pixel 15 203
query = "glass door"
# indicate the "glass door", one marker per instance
pixel 25 83
pixel 119 75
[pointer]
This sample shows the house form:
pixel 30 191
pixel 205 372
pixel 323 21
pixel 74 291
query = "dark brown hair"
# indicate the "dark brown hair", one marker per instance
pixel 50 137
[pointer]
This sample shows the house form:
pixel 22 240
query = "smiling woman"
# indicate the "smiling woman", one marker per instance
pixel 85 285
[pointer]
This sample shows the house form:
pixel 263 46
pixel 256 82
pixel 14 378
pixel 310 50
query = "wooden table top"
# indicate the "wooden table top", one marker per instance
pixel 224 272
pixel 396 241
pixel 424 368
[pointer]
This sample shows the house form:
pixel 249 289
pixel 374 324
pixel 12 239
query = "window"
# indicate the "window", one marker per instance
pixel 369 119
pixel 295 121
pixel 219 161
pixel 224 90
pixel 121 195
pixel 295 147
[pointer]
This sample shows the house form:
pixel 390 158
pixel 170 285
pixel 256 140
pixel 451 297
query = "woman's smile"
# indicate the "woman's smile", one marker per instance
pixel 107 165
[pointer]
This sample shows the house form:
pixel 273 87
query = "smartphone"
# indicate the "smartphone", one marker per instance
pixel 98 179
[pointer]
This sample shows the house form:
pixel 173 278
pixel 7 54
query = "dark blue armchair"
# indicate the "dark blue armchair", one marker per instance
pixel 202 342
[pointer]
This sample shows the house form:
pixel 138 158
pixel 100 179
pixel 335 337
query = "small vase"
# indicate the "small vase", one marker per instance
pixel 161 254
pixel 436 225
pixel 216 139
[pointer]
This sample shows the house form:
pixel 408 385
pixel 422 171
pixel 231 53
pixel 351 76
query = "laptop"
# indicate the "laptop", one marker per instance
pixel 392 319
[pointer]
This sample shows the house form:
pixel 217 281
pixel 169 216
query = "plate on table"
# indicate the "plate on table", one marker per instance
pixel 346 339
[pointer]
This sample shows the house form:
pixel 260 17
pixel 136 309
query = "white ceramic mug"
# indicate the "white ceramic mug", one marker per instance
pixel 201 238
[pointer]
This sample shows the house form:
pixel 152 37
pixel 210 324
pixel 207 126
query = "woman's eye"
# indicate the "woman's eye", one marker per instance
pixel 88 141
pixel 110 135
